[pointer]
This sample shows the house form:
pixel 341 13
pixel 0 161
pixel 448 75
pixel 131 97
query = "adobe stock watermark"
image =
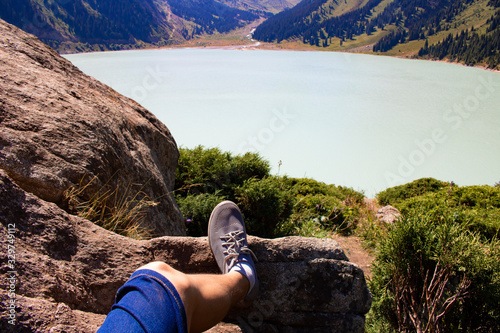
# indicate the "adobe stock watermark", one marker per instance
pixel 280 120
pixel 454 117
pixel 152 80
pixel 11 276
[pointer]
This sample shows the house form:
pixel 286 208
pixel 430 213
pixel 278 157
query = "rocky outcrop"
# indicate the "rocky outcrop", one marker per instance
pixel 68 270
pixel 388 214
pixel 59 126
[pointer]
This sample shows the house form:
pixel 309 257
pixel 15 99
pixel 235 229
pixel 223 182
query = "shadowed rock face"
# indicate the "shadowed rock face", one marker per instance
pixel 59 126
pixel 68 271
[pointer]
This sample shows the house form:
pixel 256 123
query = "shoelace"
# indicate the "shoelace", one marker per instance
pixel 234 243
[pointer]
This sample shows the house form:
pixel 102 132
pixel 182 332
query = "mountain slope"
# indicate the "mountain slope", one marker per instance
pixel 69 25
pixel 381 25
pixel 441 30
pixel 470 47
pixel 89 21
pixel 211 16
pixel 317 20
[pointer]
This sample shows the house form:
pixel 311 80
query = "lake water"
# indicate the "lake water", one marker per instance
pixel 361 121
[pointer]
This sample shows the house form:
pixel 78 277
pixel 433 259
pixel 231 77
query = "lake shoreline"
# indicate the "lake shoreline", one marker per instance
pixel 273 47
pixel 221 44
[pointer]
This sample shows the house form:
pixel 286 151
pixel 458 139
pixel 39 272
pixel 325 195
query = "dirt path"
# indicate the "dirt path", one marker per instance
pixel 353 247
pixel 356 253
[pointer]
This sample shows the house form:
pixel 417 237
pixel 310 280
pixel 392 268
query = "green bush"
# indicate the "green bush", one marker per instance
pixel 208 170
pixel 272 206
pixel 316 204
pixel 207 176
pixel 476 207
pixel 396 194
pixel 328 209
pixel 330 213
pixel 435 277
pixel 249 165
pixel 201 170
pixel 196 209
pixel 305 186
pixel 264 204
pixel 351 196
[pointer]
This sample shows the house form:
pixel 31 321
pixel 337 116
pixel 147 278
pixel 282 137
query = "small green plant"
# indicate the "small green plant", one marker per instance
pixel 120 209
pixel 371 232
pixel 312 228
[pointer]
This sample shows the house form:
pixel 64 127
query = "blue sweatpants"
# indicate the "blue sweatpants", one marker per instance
pixel 146 303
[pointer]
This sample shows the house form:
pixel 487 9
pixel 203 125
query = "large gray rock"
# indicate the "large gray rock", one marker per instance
pixel 59 126
pixel 388 214
pixel 68 271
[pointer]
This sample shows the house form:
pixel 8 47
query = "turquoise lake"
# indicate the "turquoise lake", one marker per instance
pixel 362 121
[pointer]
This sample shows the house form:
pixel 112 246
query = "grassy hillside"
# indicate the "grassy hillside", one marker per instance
pixel 476 15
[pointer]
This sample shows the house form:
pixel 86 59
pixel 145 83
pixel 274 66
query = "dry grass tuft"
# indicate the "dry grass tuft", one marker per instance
pixel 121 209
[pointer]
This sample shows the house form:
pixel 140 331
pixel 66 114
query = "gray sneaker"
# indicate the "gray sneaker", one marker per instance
pixel 228 240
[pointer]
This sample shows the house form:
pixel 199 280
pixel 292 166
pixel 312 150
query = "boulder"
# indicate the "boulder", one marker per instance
pixel 66 272
pixel 60 127
pixel 388 214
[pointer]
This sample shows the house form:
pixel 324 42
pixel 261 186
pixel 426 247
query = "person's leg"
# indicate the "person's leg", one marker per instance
pixel 207 298
pixel 158 298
